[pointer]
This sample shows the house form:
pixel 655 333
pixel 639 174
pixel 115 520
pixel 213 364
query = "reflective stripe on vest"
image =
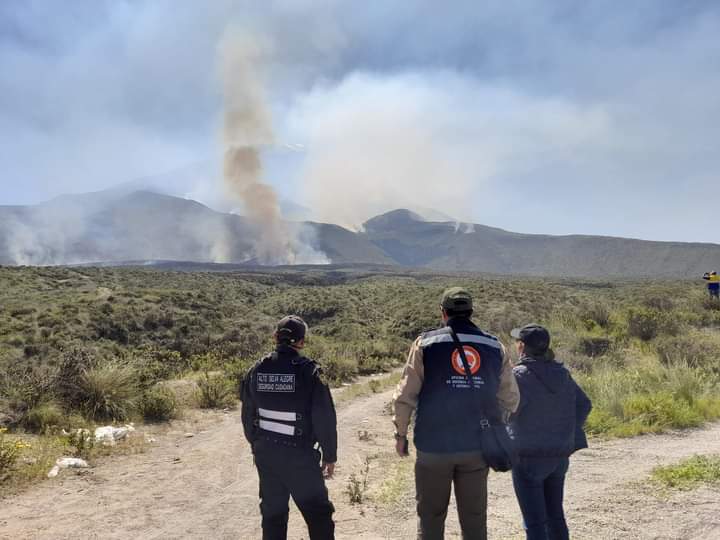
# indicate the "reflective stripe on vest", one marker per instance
pixel 276 427
pixel 464 338
pixel 278 415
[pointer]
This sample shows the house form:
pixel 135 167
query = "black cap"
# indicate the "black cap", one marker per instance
pixel 291 329
pixel 456 299
pixel 534 336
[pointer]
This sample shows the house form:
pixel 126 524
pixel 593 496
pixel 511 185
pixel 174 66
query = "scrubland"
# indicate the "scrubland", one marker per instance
pixel 84 346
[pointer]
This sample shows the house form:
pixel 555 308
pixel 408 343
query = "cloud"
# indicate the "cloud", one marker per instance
pixel 427 139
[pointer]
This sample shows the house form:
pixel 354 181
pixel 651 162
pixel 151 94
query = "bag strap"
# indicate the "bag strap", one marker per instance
pixel 542 381
pixel 484 422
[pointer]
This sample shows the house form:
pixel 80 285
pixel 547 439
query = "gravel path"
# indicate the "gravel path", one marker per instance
pixel 206 487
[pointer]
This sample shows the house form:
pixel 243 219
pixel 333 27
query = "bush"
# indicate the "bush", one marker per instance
pixel 696 350
pixel 155 364
pixel 235 371
pixel 649 397
pixel 595 314
pixel 689 472
pixel 108 392
pixel 158 405
pixel 661 411
pixel 44 417
pixel 646 324
pixel 711 304
pixel 593 346
pixel 71 366
pixel 81 443
pixel 215 391
pixel 10 450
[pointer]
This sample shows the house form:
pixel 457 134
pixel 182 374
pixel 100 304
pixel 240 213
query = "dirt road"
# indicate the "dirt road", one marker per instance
pixel 205 486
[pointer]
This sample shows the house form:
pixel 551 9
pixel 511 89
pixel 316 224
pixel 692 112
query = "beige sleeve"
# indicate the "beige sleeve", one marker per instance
pixel 406 394
pixel 508 394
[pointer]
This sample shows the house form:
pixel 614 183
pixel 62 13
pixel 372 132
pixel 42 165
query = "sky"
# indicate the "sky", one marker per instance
pixel 557 117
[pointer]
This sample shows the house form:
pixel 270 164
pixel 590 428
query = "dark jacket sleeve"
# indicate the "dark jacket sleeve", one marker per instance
pixel 249 408
pixel 583 406
pixel 324 420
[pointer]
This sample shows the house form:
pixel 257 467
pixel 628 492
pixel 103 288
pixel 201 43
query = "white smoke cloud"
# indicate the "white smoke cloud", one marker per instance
pixel 440 139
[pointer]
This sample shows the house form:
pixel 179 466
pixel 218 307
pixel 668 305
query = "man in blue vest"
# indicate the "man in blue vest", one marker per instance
pixel 447 427
pixel 286 410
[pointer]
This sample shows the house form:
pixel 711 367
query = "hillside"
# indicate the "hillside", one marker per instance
pixel 478 248
pixel 124 225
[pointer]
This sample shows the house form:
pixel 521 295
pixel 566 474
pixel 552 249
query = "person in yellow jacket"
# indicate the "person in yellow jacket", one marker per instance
pixel 713 283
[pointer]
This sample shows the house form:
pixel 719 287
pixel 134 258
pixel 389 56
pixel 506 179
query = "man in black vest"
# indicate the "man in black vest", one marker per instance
pixel 447 428
pixel 286 410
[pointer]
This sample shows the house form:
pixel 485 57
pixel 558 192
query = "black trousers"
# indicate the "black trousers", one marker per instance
pixel 292 472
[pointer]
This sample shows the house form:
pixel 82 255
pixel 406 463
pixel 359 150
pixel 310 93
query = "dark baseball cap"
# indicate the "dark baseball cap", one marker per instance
pixel 291 328
pixel 456 299
pixel 536 337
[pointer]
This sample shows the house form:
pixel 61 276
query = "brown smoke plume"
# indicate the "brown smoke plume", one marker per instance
pixel 247 129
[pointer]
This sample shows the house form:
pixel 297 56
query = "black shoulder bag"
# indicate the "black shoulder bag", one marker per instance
pixel 493 438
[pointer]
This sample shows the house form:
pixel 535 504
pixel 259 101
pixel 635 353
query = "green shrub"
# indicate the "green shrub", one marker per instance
pixel 10 450
pixel 235 371
pixel 595 314
pixel 647 396
pixel 661 411
pixel 71 366
pixel 710 304
pixel 215 391
pixel 698 350
pixel 689 473
pixel 158 404
pixel 593 345
pixel 44 417
pixel 647 323
pixel 80 442
pixel 108 392
pixel 154 364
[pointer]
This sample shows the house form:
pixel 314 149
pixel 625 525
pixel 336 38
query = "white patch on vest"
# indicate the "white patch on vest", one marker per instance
pixel 275 382
pixel 277 415
pixel 276 427
pixel 461 382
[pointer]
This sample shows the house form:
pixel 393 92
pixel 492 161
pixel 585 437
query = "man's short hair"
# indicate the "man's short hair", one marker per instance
pixel 461 314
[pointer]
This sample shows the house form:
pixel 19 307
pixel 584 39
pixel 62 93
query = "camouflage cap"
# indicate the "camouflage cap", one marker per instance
pixel 456 299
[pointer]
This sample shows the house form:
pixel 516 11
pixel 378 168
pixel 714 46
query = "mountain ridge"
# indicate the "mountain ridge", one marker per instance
pixel 141 225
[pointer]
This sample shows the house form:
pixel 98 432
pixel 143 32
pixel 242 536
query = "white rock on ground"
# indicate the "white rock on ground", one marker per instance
pixel 109 435
pixel 67 463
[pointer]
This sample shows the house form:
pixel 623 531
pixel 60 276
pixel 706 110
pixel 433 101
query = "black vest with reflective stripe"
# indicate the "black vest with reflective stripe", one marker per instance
pixel 447 418
pixel 282 387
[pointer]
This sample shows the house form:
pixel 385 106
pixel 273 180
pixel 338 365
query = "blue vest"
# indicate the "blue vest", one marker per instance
pixel 447 418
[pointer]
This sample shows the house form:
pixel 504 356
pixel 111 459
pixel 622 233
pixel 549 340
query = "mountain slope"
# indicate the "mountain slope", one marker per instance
pixel 126 225
pixel 478 248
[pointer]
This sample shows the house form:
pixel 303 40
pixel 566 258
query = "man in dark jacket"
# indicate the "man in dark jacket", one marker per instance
pixel 546 429
pixel 448 428
pixel 286 410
